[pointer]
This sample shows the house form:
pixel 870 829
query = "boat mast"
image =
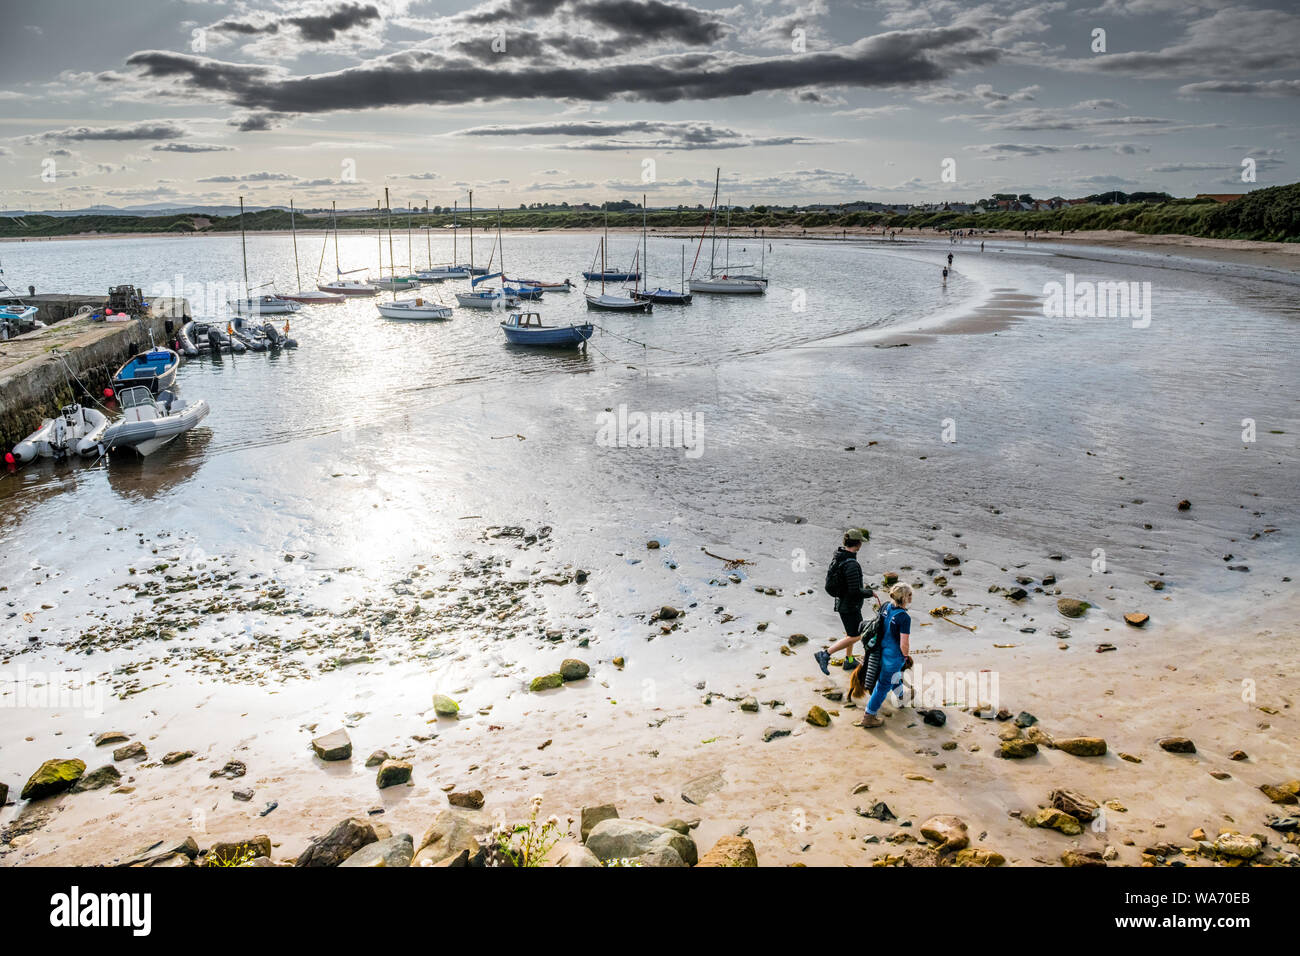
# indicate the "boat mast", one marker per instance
pixel 471 233
pixel 645 250
pixel 293 227
pixel 503 257
pixel 243 245
pixel 713 246
pixel 392 260
pixel 410 256
pixel 338 270
pixel 379 238
pixel 455 228
pixel 762 238
pixel 727 243
pixel 603 241
pixel 428 234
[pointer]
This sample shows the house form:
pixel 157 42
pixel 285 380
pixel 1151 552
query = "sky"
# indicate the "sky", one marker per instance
pixel 135 102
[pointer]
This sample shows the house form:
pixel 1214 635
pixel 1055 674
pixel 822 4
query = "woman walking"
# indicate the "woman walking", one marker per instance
pixel 894 656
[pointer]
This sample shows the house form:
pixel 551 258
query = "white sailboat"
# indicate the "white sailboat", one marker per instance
pixel 340 285
pixel 488 298
pixel 305 296
pixel 722 283
pixel 416 308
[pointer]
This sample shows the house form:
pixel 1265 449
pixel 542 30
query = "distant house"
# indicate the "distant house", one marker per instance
pixel 1220 197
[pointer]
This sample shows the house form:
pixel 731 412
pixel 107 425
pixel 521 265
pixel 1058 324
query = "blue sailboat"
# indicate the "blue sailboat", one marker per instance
pixel 526 328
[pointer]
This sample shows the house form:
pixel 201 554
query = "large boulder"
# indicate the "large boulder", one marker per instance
pixel 1074 803
pixel 946 830
pixel 347 837
pixel 1082 858
pixel 575 854
pixel 452 833
pixel 1017 749
pixel 395 851
pixel 335 745
pixel 466 799
pixel 1072 607
pixel 392 772
pixel 1239 845
pixel 52 777
pixel 546 682
pixel 1283 793
pixel 573 669
pixel 1053 819
pixel 1081 746
pixel 731 851
pixel 593 815
pixel 1177 745
pixel 105 776
pixel 617 839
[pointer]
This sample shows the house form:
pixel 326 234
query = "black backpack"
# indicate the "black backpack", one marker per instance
pixel 872 631
pixel 835 576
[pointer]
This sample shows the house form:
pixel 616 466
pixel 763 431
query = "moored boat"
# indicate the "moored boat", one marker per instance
pixel 616 303
pixel 729 285
pixel 526 328
pixel 155 370
pixel 148 423
pixel 60 437
pixel 413 309
pixel 264 305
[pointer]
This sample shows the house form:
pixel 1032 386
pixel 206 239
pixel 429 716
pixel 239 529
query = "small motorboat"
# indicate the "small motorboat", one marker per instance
pixel 565 286
pixel 59 437
pixel 155 370
pixel 313 297
pixel 526 328
pixel 18 319
pixel 148 423
pixel 616 303
pixel 662 296
pixel 17 313
pixel 264 305
pixel 416 308
pixel 730 285
pixel 348 287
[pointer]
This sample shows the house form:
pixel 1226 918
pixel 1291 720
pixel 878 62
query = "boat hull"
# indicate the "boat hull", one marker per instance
pixel 146 437
pixel 471 300
pixel 308 297
pixel 349 288
pixel 567 337
pixel 663 297
pixel 728 286
pixel 615 303
pixel 155 370
pixel 266 305
pixel 405 310
pixel 611 276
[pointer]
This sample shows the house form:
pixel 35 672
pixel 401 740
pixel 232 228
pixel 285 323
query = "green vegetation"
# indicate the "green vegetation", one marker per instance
pixel 1268 214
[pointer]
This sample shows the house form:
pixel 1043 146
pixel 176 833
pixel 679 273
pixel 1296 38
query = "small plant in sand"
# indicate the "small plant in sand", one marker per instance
pixel 526 844
pixel 244 857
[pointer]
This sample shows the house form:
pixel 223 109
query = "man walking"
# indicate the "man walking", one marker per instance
pixel 844 582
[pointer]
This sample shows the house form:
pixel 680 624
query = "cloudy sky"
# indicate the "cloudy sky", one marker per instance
pixel 130 102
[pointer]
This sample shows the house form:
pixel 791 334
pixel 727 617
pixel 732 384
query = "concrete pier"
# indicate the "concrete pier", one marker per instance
pixel 44 370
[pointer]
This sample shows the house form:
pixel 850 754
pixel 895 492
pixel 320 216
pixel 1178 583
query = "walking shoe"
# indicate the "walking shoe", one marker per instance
pixel 823 659
pixel 850 663
pixel 869 721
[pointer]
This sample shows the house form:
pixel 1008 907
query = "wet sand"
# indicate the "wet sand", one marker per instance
pixel 259 671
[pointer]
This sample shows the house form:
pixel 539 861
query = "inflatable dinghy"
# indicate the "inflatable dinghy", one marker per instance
pixel 59 437
pixel 148 423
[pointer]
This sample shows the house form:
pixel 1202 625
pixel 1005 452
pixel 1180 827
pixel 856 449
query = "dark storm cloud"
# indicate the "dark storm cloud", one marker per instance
pixel 425 78
pixel 156 130
pixel 243 28
pixel 1261 88
pixel 527 45
pixel 652 19
pixel 326 27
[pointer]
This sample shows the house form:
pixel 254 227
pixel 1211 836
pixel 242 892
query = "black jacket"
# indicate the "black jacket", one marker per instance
pixel 852 593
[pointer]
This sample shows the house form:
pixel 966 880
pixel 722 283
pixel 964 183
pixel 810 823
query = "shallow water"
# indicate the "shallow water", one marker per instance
pixel 378 446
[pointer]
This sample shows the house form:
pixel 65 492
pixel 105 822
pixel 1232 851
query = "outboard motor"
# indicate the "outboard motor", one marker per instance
pixel 214 341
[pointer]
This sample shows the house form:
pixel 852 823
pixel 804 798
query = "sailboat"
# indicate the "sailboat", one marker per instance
pixel 394 282
pixel 453 271
pixel 489 298
pixel 305 296
pixel 261 304
pixel 606 274
pixel 659 295
pixel 416 308
pixel 340 285
pixel 470 267
pixel 606 301
pixel 722 283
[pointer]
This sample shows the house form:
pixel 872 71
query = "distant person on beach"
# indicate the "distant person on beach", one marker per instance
pixel 950 259
pixel 945 275
pixel 894 657
pixel 844 582
pixel 981 245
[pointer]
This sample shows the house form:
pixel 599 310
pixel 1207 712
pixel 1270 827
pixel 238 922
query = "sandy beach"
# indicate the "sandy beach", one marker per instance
pixel 496 540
